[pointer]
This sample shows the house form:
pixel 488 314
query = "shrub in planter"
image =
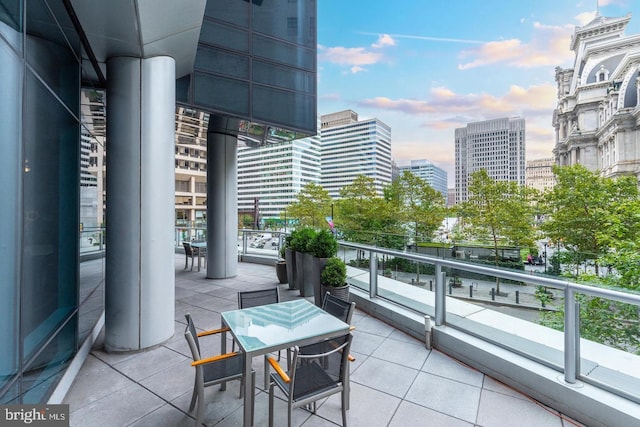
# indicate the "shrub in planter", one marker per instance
pixel 334 279
pixel 322 247
pixel 300 244
pixel 300 239
pixel 323 244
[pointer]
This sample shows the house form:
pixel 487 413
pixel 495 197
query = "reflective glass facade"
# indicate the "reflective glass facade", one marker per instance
pixel 52 263
pixel 39 137
pixel 256 60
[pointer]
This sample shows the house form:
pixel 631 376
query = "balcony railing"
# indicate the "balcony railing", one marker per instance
pixel 509 321
pixel 612 369
pixel 473 305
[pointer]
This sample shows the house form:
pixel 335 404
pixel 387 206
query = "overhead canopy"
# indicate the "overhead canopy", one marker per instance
pixel 143 29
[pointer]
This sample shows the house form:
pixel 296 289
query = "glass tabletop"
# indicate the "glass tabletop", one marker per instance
pixel 277 326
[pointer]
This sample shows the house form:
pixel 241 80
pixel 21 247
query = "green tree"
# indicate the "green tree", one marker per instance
pixel 312 206
pixel 498 212
pixel 589 214
pixel 418 205
pixel 365 217
pixel 245 221
pixel 598 221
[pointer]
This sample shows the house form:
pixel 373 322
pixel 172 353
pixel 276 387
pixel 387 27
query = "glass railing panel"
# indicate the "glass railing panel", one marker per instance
pixel 190 233
pixel 407 283
pixel 261 242
pixel 357 262
pixel 92 240
pixel 610 344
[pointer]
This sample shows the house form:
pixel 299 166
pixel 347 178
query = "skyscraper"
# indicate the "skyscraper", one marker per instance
pixel 275 173
pixel 436 177
pixel 498 146
pixel 350 148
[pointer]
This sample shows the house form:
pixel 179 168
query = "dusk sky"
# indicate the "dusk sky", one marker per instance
pixel 426 67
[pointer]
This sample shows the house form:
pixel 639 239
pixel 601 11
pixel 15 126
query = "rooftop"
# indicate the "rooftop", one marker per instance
pixel 395 380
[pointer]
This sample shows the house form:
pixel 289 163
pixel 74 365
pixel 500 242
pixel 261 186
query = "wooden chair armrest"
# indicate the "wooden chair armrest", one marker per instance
pixel 212 331
pixel 214 358
pixel 276 367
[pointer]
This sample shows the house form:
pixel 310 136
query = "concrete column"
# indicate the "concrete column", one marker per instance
pixel 140 272
pixel 222 199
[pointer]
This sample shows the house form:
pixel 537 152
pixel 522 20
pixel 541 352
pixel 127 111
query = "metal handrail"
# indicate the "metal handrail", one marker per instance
pixel 620 296
pixel 571 306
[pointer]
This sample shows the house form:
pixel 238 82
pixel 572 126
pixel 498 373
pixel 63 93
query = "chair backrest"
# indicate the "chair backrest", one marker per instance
pixel 187 249
pixel 247 299
pixel 191 335
pixel 322 370
pixel 338 308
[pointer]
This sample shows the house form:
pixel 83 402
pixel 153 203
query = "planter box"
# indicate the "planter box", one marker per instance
pixel 281 271
pixel 317 266
pixel 299 271
pixel 306 286
pixel 290 258
pixel 341 292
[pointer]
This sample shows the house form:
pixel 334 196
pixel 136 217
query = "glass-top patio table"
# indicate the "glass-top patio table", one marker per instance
pixel 267 328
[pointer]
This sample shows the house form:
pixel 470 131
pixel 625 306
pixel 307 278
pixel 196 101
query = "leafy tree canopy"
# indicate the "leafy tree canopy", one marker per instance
pixel 418 205
pixel 312 206
pixel 590 214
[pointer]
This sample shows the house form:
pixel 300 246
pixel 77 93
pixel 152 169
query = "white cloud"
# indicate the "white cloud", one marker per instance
pixel 384 40
pixel 348 55
pixel 547 47
pixel 443 102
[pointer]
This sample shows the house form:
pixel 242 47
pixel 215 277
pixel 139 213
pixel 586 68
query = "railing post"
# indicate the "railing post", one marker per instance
pixel 571 336
pixel 440 295
pixel 373 274
pixel 244 243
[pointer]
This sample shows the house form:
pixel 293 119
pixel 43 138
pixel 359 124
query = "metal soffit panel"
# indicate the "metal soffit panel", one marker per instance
pixel 143 28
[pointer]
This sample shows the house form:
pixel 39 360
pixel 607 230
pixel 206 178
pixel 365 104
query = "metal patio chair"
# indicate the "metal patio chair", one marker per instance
pixel 313 377
pixel 213 370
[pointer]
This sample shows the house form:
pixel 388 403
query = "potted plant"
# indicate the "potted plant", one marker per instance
pixel 322 247
pixel 333 279
pixel 300 244
pixel 281 266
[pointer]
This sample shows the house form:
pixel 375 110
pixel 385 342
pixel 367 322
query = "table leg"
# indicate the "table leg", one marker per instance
pixel 267 371
pixel 223 349
pixel 249 392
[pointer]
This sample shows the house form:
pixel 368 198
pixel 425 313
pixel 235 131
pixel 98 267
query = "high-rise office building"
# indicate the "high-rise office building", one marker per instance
pixel 498 146
pixel 270 177
pixel 352 147
pixel 250 65
pixel 597 115
pixel 540 174
pixel 191 166
pixel 435 176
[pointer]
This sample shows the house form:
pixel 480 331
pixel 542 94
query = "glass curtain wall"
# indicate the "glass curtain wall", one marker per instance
pixel 40 64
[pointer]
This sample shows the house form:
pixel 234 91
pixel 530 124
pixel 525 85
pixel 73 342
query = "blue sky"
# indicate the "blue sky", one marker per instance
pixel 425 67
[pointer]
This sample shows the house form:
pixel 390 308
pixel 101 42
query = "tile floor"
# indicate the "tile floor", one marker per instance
pixel 395 380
